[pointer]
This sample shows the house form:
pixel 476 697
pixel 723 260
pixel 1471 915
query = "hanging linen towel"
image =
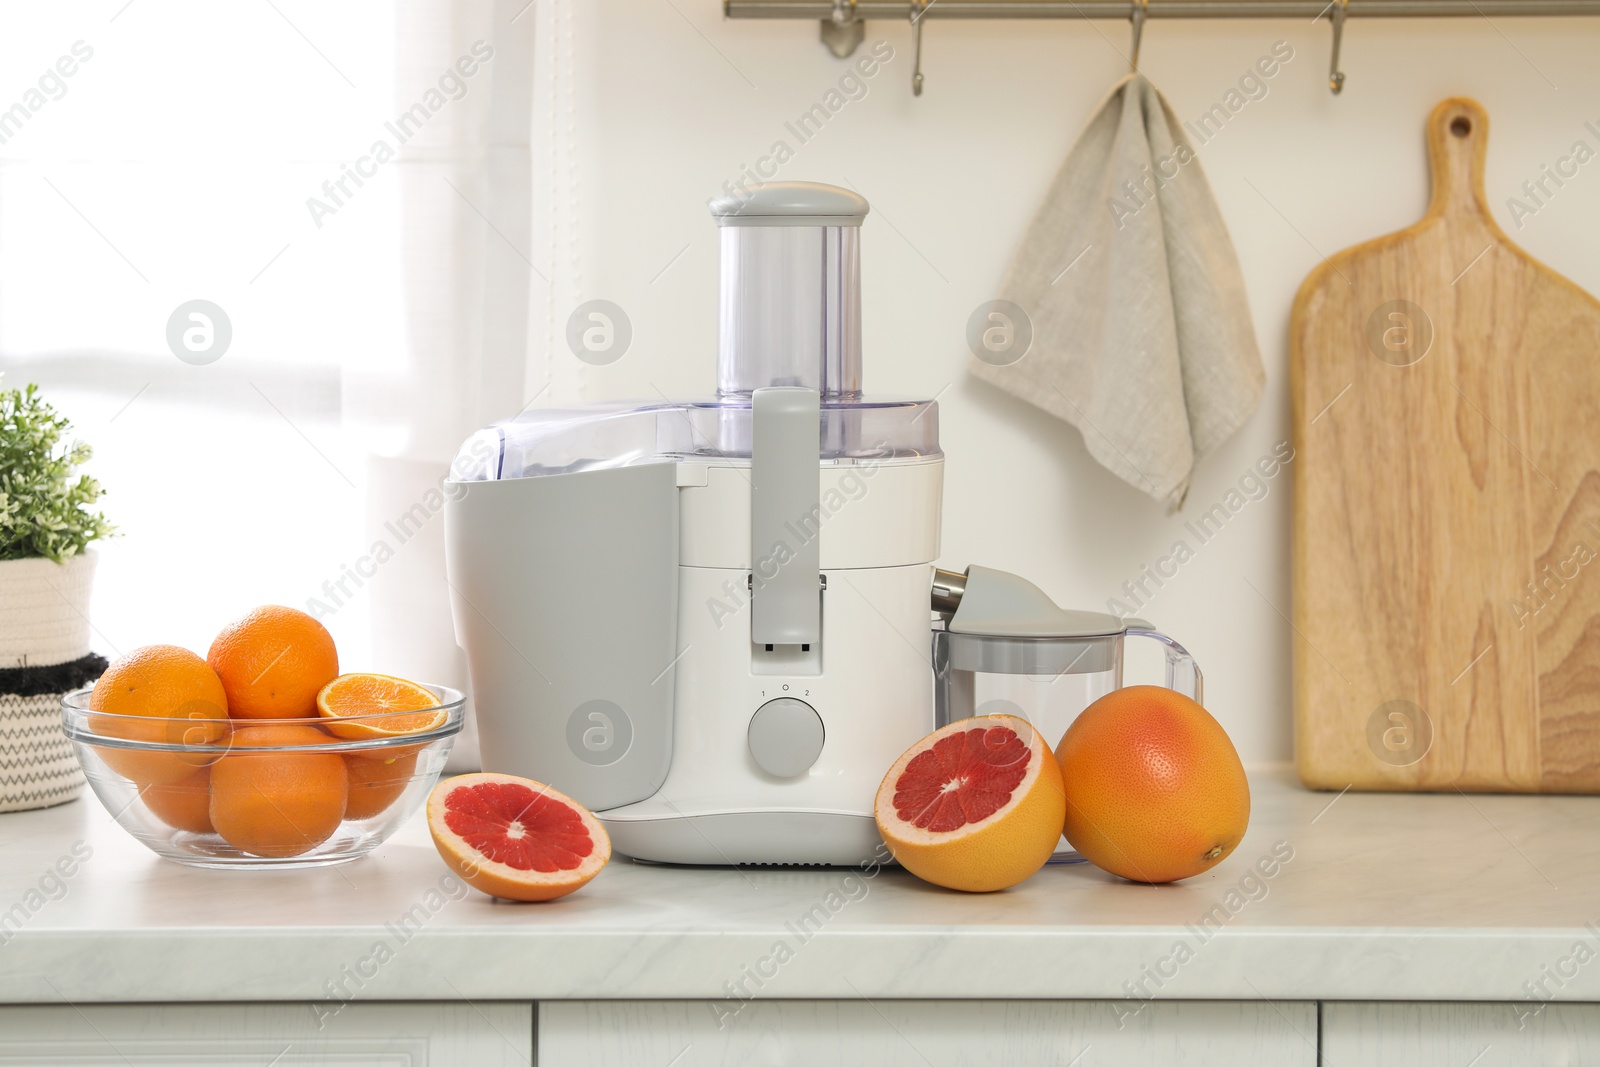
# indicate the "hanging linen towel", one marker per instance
pixel 1141 331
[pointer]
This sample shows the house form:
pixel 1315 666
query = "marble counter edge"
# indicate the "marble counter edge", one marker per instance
pixel 1127 964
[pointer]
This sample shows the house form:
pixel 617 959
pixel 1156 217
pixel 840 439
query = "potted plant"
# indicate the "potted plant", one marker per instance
pixel 47 523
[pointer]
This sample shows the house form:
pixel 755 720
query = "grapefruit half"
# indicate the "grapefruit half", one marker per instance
pixel 976 805
pixel 515 838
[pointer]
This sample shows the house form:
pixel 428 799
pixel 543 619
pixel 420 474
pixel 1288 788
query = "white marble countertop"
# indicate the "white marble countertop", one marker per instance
pixel 1428 897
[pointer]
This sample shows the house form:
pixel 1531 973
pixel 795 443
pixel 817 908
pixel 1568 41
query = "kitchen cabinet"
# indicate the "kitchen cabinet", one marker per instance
pixel 283 1035
pixel 1513 1034
pixel 898 1033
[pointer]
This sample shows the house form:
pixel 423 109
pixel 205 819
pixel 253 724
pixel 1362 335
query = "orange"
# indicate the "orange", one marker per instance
pixel 181 697
pixel 272 662
pixel 1155 790
pixel 515 838
pixel 278 803
pixel 401 708
pixel 184 804
pixel 975 805
pixel 376 781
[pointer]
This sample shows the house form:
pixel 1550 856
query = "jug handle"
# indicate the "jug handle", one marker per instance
pixel 1183 673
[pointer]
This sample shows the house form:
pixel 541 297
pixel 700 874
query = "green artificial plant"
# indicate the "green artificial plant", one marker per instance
pixel 44 510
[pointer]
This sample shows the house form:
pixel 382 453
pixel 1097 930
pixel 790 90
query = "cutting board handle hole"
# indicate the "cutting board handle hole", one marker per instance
pixel 1460 125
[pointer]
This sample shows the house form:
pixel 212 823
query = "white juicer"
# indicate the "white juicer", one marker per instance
pixel 709 621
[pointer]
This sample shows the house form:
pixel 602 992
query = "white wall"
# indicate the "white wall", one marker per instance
pixel 661 113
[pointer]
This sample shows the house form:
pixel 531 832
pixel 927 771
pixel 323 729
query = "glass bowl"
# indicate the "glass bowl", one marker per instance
pixel 259 793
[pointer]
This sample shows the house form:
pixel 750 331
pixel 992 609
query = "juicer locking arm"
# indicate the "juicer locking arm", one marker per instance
pixel 785 522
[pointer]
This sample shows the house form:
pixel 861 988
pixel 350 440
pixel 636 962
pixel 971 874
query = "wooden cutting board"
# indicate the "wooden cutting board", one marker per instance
pixel 1446 404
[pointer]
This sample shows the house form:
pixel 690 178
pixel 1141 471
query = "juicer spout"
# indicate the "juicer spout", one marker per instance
pixel 948 589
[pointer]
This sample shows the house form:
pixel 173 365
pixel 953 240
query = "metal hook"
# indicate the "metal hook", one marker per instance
pixel 1335 75
pixel 1138 10
pixel 843 31
pixel 917 9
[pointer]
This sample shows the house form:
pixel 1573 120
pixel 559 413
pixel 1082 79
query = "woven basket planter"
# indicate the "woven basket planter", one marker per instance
pixel 44 654
pixel 37 767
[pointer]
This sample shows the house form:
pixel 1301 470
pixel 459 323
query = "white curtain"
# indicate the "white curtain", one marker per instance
pixel 467 266
pixel 379 298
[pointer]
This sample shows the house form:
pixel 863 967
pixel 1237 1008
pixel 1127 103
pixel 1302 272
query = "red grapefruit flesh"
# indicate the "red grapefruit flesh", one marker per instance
pixel 515 838
pixel 976 805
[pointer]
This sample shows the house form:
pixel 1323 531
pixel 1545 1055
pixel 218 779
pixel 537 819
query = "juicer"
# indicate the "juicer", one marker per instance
pixel 709 621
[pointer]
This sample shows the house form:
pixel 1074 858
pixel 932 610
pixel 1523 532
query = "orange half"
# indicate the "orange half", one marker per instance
pixel 406 707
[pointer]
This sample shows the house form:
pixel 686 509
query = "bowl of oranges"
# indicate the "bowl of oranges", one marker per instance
pixel 262 754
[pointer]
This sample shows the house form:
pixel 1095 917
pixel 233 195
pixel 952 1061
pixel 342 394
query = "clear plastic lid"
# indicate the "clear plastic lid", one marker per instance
pixel 790 316
pixel 554 441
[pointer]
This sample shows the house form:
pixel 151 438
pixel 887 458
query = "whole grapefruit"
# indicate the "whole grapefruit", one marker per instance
pixel 1155 790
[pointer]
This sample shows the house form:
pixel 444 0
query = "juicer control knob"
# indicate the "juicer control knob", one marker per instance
pixel 785 737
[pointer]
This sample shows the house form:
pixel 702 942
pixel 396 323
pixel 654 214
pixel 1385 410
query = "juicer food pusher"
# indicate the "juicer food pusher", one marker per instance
pixel 709 622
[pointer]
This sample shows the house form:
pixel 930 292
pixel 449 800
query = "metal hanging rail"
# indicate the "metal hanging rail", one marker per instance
pixel 1156 9
pixel 842 20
